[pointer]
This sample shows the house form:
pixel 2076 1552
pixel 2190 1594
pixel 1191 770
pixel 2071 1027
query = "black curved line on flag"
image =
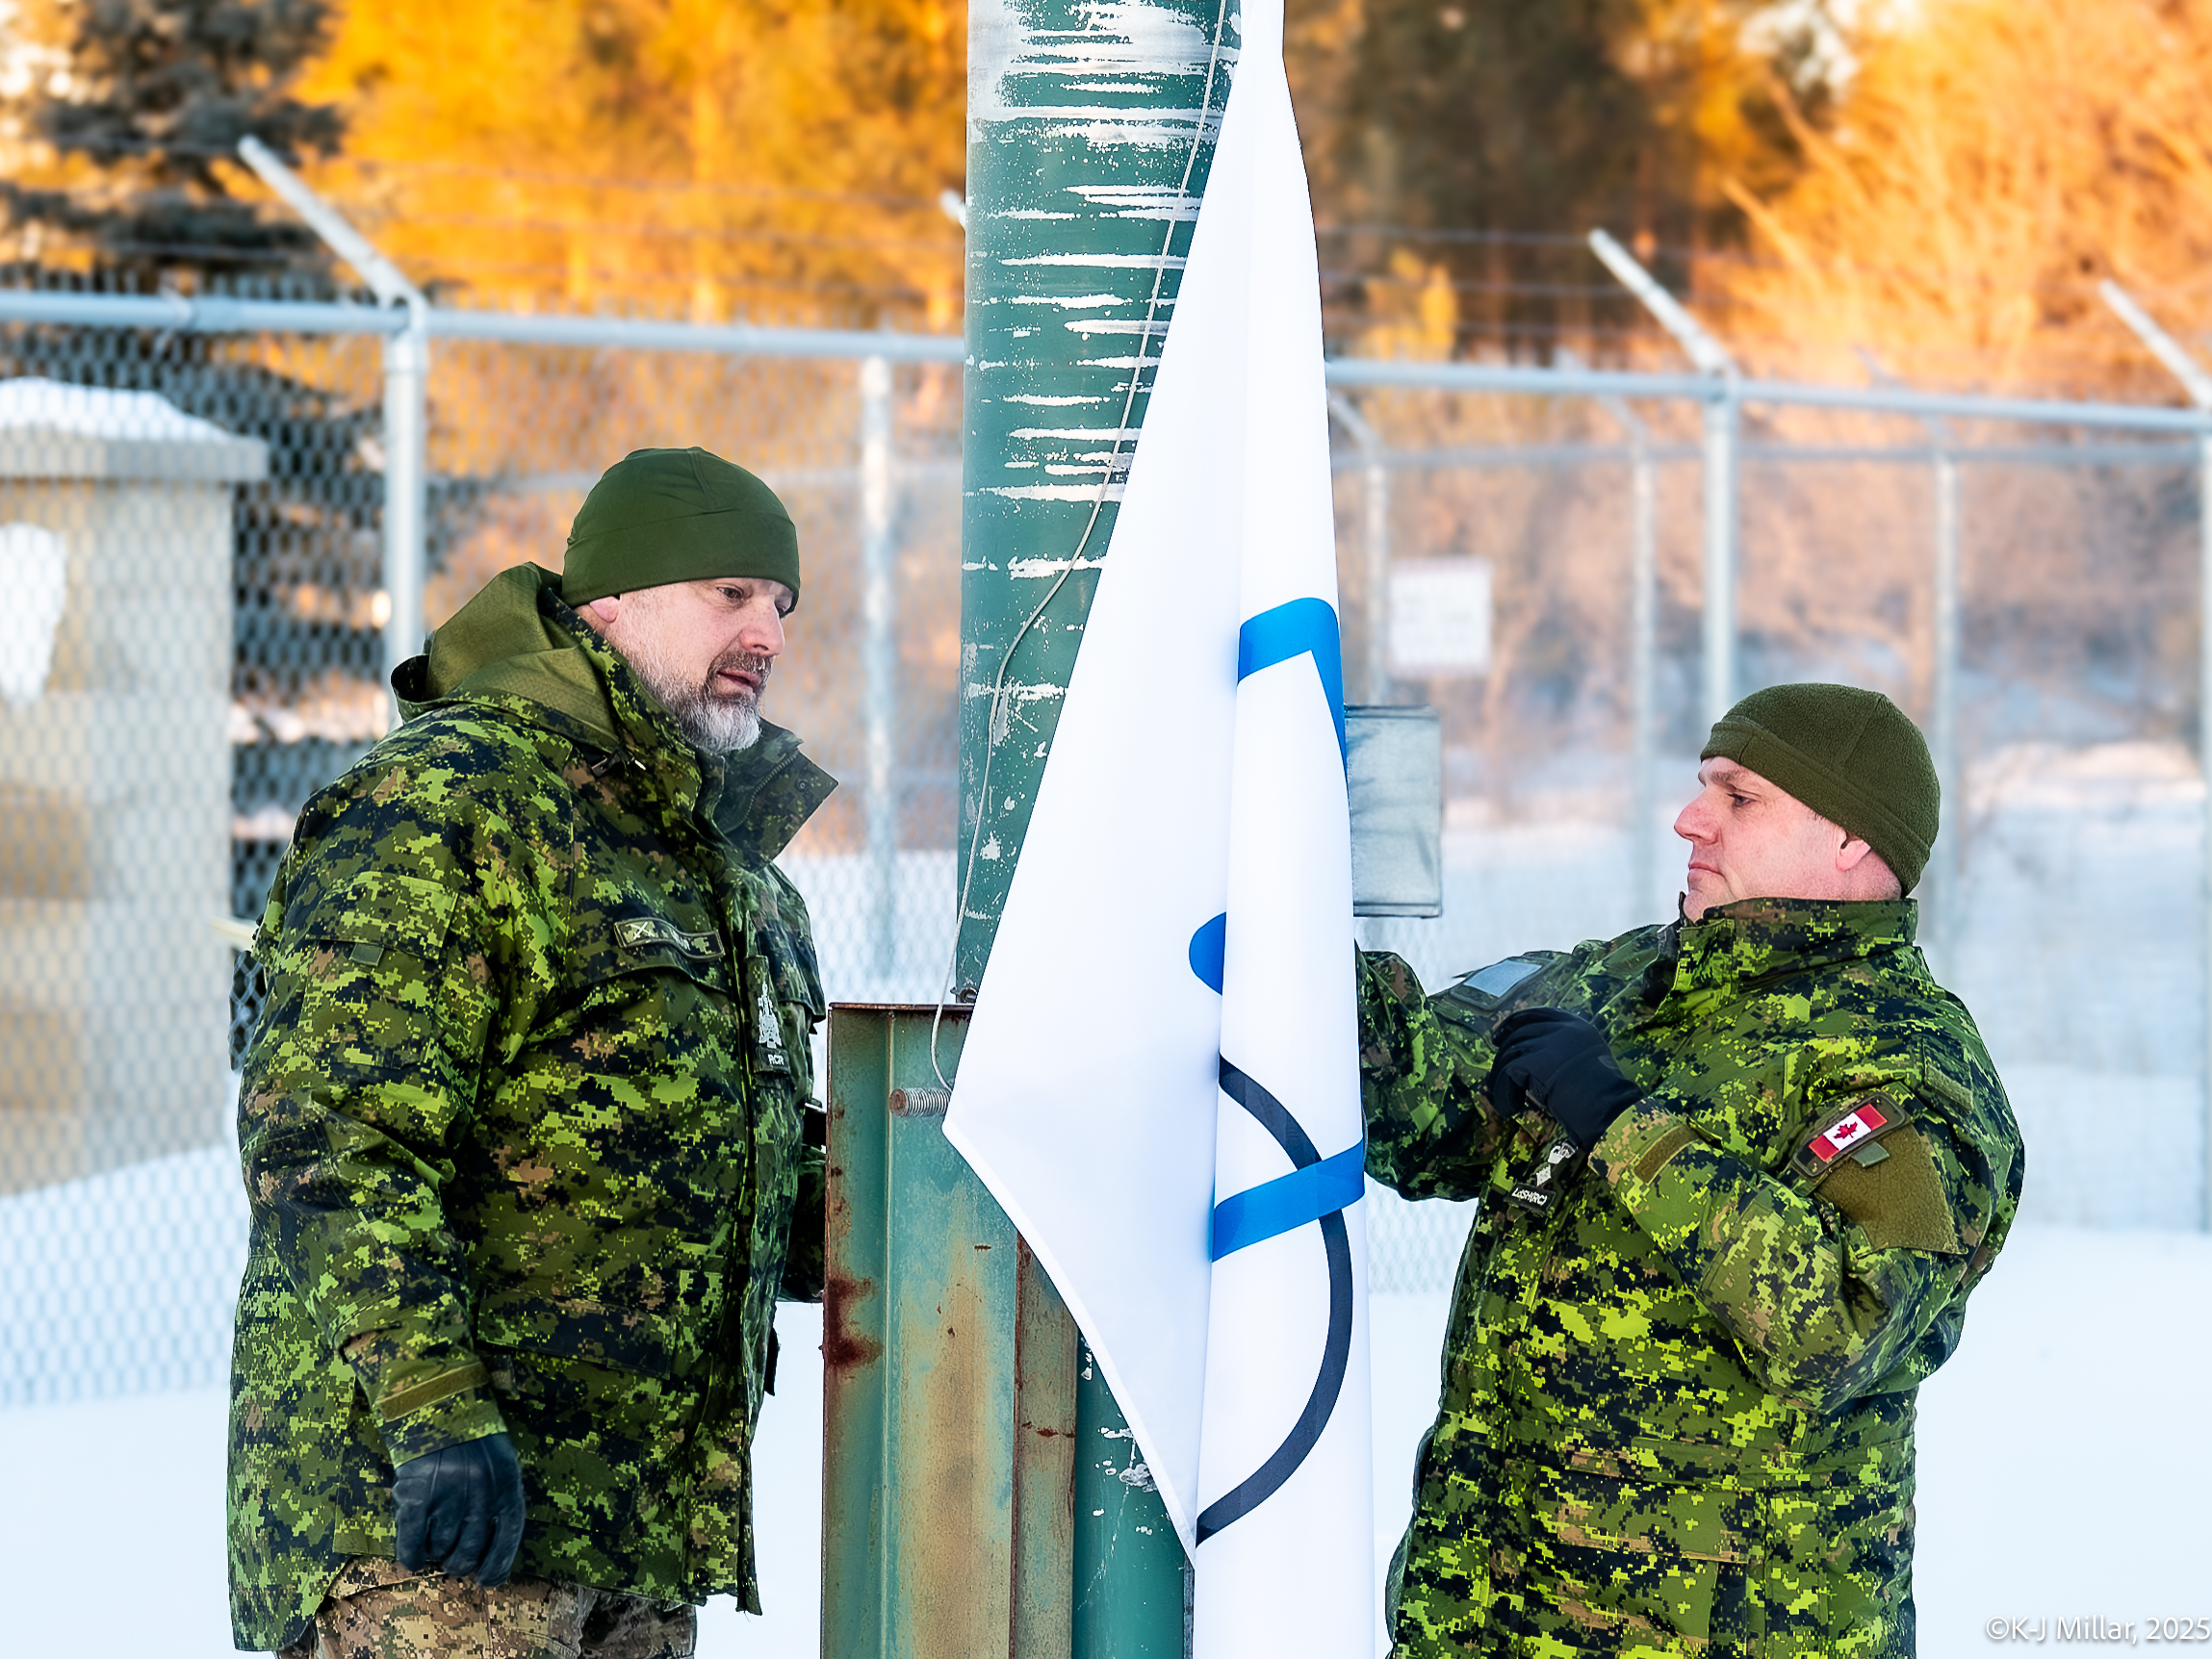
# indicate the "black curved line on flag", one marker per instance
pixel 1336 1352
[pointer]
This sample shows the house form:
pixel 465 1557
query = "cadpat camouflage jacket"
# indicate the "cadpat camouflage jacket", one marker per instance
pixel 521 1125
pixel 1678 1403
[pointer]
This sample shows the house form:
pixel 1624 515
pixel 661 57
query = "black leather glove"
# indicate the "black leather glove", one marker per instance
pixel 461 1510
pixel 1563 1062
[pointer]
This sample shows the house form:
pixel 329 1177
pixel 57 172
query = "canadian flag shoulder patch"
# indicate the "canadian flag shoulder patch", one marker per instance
pixel 1846 1132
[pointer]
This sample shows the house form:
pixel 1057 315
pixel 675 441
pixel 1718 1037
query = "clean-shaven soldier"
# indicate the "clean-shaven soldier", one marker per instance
pixel 524 1121
pixel 1737 1175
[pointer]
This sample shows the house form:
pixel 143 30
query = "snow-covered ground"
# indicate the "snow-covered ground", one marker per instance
pixel 2058 1475
pixel 77 1478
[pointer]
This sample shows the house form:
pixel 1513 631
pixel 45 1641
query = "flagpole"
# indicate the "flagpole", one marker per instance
pixel 1071 198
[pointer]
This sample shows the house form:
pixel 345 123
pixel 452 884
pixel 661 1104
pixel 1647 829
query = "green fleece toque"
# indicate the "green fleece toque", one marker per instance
pixel 1849 754
pixel 660 516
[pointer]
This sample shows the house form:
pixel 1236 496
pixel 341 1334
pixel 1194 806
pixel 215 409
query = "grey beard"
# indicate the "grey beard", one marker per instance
pixel 713 723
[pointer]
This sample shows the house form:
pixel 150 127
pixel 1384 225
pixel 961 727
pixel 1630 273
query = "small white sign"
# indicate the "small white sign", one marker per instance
pixel 33 574
pixel 1440 616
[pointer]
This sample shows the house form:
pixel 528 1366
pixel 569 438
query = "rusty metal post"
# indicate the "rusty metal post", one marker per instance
pixel 1045 1431
pixel 948 1378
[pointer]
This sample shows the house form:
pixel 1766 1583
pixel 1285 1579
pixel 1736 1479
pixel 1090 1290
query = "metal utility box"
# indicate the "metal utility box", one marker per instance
pixel 1394 771
pixel 116 530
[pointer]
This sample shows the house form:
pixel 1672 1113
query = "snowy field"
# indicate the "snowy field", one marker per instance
pixel 2055 1478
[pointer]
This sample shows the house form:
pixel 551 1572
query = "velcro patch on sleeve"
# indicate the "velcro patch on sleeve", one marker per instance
pixel 1662 1152
pixel 1898 1200
pixel 377 910
pixel 414 1397
pixel 1944 1086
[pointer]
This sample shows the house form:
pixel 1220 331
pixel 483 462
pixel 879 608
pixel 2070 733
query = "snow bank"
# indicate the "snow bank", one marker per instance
pixel 72 1471
pixel 96 412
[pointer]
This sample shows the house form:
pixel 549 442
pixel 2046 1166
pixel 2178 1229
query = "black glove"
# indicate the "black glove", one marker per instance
pixel 461 1510
pixel 1564 1063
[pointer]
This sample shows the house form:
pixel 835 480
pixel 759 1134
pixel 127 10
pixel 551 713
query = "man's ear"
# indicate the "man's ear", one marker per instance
pixel 601 613
pixel 1852 854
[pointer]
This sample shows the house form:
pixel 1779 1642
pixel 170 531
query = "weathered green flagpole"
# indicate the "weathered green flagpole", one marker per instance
pixel 1090 134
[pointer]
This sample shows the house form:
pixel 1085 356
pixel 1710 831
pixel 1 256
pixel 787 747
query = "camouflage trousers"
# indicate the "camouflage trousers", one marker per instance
pixel 376 1609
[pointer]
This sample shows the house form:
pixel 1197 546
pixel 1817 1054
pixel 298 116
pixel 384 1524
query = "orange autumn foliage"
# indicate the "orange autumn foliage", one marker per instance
pixel 697 157
pixel 1990 163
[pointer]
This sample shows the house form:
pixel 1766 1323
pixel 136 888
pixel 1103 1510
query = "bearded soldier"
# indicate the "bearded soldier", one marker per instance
pixel 524 1120
pixel 1737 1175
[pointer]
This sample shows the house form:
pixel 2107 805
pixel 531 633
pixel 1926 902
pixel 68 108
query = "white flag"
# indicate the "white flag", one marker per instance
pixel 1160 1082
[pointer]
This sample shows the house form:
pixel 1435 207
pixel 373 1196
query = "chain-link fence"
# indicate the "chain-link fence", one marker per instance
pixel 193 524
pixel 2066 905
pixel 190 537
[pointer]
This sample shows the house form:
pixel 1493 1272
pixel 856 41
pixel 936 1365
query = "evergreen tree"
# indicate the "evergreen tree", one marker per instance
pixel 158 93
pixel 1505 131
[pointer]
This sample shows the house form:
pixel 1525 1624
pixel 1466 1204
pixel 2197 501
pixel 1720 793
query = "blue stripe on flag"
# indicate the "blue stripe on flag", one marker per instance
pixel 1264 1481
pixel 1291 631
pixel 1290 1201
pixel 1210 952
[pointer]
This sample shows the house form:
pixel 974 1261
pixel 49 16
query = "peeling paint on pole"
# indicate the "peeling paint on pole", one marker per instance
pixel 1082 120
pixel 1091 131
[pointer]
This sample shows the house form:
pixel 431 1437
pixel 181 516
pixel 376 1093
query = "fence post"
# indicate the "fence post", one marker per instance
pixel 1939 885
pixel 1374 544
pixel 2198 383
pixel 406 422
pixel 1943 701
pixel 1643 644
pixel 1643 655
pixel 880 660
pixel 1723 421
pixel 406 399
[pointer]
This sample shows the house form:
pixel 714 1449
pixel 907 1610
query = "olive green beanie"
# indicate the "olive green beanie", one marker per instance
pixel 660 516
pixel 1849 754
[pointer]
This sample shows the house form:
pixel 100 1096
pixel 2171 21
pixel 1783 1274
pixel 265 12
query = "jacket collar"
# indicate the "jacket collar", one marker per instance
pixel 1756 939
pixel 757 797
pixel 643 726
pixel 570 681
pixel 765 793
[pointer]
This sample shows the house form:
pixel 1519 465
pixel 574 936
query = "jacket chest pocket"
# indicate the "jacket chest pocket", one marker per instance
pixel 655 1001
